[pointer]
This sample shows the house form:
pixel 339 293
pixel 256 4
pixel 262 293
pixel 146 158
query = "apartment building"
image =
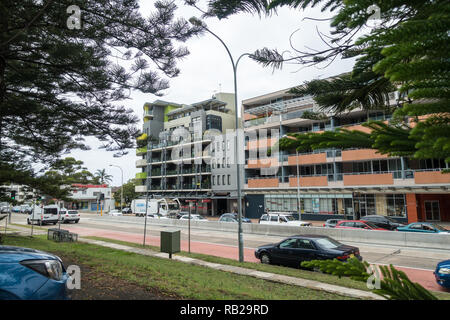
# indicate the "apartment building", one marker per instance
pixel 23 193
pixel 333 183
pixel 186 154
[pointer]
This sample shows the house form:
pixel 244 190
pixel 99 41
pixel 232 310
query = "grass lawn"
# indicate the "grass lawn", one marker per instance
pixel 299 273
pixel 171 277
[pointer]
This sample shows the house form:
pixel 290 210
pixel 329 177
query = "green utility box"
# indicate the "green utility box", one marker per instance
pixel 170 241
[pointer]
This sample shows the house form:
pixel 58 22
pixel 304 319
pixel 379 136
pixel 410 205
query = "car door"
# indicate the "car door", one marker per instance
pixel 305 250
pixel 282 254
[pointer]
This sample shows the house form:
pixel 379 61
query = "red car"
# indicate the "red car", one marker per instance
pixel 357 224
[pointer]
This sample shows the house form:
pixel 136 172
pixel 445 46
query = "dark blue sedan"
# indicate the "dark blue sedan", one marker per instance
pixel 296 249
pixel 30 274
pixel 442 273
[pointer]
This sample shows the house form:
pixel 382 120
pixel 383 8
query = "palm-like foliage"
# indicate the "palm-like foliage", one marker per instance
pixel 102 176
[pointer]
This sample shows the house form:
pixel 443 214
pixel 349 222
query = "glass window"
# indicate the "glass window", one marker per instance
pixel 274 218
pixel 214 180
pixel 305 244
pixel 229 179
pixel 223 180
pixel 289 243
pixel 264 217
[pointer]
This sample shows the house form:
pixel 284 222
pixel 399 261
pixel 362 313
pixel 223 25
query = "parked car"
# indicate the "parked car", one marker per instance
pixel 442 273
pixel 156 216
pixel 68 216
pixel 127 210
pixel 383 222
pixel 46 215
pixel 282 218
pixel 30 274
pixel 15 209
pixel 4 209
pixel 295 249
pixel 193 217
pixel 357 224
pixel 426 227
pixel 233 217
pixel 331 223
pixel 115 212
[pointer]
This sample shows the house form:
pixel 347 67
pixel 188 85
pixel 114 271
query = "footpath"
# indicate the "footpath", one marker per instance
pixel 311 284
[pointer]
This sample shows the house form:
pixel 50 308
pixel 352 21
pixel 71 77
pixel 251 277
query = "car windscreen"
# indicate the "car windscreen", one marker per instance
pixel 328 243
pixel 50 211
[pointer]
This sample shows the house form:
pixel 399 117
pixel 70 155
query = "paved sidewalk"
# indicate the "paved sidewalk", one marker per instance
pixel 344 291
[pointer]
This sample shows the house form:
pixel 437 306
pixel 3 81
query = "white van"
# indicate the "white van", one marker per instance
pixel 282 218
pixel 46 215
pixel 162 207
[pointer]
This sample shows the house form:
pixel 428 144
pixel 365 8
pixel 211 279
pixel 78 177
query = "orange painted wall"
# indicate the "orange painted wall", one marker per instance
pixel 307 159
pixel 423 177
pixel 263 163
pixel 361 154
pixel 263 183
pixel 319 181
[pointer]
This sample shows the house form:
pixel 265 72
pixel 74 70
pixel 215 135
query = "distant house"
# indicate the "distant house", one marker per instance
pixel 86 197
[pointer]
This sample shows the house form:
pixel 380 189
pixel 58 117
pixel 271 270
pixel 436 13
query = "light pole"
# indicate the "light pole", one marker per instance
pixel 121 188
pixel 298 181
pixel 198 23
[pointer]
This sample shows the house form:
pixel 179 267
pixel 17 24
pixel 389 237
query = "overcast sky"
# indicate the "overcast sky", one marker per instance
pixel 208 69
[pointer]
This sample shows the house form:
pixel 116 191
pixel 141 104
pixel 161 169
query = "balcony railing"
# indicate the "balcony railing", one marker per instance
pixel 141 175
pixel 141 151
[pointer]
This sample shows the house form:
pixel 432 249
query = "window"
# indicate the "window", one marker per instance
pixel 218 180
pixel 214 180
pixel 223 180
pixel 229 179
pixel 264 217
pixel 289 243
pixel 274 218
pixel 432 210
pixel 305 244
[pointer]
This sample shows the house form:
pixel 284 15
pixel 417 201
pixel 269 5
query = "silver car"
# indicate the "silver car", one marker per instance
pixel 68 216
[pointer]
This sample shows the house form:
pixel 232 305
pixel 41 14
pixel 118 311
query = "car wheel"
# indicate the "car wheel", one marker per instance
pixel 265 258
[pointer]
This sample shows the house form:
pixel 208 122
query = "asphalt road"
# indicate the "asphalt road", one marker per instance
pixel 417 258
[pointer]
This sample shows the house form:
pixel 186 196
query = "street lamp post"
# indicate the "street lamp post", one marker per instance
pixel 121 188
pixel 199 23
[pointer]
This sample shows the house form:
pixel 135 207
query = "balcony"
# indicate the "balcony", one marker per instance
pixel 307 159
pixel 140 189
pixel 141 151
pixel 362 154
pixel 261 143
pixel 263 163
pixel 141 175
pixel 263 183
pixel 315 181
pixel 141 163
pixel 429 177
pixel 368 179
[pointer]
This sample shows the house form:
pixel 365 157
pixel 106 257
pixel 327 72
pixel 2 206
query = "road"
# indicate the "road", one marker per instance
pixel 418 263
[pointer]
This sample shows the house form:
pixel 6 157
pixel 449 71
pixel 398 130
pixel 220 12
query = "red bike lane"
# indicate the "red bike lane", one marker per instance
pixel 421 276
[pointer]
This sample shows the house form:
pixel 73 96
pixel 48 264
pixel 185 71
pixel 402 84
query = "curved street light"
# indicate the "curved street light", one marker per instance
pixel 198 23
